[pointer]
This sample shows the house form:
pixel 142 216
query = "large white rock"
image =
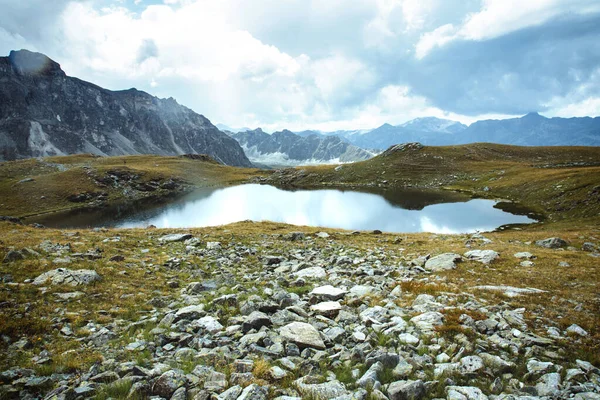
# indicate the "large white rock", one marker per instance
pixel 483 256
pixel 210 324
pixel 362 290
pixel 175 237
pixel 443 262
pixel 302 334
pixel 509 291
pixel 312 272
pixel 327 308
pixel 190 312
pixel 427 322
pixel 328 292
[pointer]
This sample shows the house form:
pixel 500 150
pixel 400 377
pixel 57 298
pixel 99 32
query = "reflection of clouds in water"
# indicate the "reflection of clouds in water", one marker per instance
pixel 328 208
pixel 427 225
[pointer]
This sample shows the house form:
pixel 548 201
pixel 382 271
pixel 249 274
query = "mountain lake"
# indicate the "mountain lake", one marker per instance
pixel 388 211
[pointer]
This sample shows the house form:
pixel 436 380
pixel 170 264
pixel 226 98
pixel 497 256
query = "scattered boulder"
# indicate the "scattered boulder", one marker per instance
pixel 406 390
pixel 311 272
pixel 482 256
pixel 175 237
pixel 66 276
pixel 12 256
pixel 442 262
pixel 552 243
pixel 327 308
pixel 464 393
pixel 255 320
pixel 328 292
pixel 427 322
pixel 168 383
pixel 302 334
pixel 320 391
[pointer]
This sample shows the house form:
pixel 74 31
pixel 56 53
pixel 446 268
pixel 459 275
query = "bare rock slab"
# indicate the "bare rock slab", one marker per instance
pixel 303 335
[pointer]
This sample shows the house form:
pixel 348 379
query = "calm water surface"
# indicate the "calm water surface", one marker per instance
pixel 391 212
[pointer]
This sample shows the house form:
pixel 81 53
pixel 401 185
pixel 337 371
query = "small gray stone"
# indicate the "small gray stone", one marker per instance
pixel 576 330
pixel 231 394
pixel 311 272
pixel 406 390
pixel 168 383
pixel 254 392
pixel 255 320
pixel 190 312
pixel 464 393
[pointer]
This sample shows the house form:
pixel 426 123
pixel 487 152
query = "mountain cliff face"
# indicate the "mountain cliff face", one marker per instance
pixel 288 148
pixel 43 112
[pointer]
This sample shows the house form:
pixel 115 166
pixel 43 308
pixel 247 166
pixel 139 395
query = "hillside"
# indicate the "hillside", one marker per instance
pixel 85 181
pixel 559 182
pixel 43 112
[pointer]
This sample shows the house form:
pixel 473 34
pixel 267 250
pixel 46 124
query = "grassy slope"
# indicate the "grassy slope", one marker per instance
pixel 56 178
pixel 559 182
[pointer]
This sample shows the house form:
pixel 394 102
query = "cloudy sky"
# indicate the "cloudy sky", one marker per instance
pixel 327 64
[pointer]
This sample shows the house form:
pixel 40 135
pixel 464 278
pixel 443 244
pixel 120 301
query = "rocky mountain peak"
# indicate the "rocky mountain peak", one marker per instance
pixel 44 112
pixel 533 115
pixel 29 63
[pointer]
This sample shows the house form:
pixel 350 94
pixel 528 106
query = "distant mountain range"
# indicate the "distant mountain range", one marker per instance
pixel 286 148
pixel 532 129
pixel 529 130
pixel 43 112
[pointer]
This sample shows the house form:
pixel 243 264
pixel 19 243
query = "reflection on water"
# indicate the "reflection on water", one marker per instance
pixel 327 208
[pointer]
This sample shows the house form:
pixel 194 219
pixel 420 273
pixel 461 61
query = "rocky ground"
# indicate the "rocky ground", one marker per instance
pixel 258 313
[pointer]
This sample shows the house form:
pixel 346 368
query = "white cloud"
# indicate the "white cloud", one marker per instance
pixel 589 107
pixel 436 38
pixel 299 64
pixel 499 17
pixel 192 41
pixel 416 12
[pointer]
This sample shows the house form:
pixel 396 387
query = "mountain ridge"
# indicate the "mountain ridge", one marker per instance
pixel 532 129
pixel 288 148
pixel 44 112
